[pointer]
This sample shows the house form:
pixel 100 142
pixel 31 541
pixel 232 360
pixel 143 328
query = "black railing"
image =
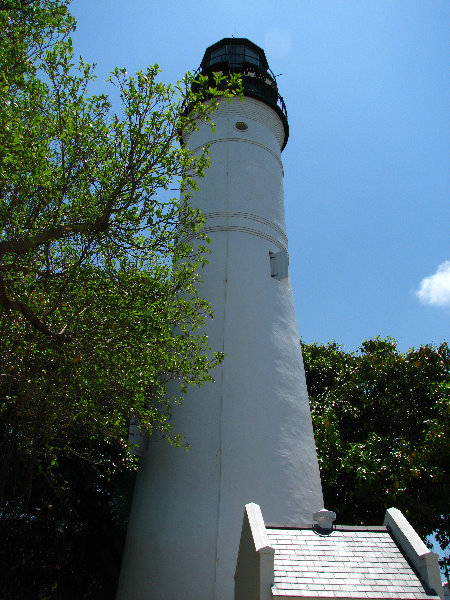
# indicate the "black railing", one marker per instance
pixel 257 83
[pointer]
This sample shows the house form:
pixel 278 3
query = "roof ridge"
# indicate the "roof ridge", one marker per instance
pixel 381 528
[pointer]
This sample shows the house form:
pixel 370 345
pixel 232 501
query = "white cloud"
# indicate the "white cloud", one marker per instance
pixel 435 289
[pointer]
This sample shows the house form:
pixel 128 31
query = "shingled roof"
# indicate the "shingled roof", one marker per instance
pixel 347 563
pixel 387 562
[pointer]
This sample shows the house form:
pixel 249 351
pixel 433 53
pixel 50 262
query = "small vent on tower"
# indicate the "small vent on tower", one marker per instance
pixel 279 263
pixel 241 126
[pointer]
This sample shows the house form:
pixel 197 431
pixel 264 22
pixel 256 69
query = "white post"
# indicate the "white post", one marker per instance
pixel 424 561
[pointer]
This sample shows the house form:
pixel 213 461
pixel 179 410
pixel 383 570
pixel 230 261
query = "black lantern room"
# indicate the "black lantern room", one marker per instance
pixel 239 55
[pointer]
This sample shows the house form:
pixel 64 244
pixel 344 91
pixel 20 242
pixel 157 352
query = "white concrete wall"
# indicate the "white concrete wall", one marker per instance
pixel 250 433
pixel 254 575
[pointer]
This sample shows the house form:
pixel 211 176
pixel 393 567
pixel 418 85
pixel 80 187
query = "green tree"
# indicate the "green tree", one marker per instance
pixel 98 308
pixel 382 428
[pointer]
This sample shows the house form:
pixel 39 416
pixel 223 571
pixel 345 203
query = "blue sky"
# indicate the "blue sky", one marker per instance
pixel 366 84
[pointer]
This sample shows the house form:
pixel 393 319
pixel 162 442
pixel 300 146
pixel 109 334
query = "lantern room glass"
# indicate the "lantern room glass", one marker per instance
pixel 235 55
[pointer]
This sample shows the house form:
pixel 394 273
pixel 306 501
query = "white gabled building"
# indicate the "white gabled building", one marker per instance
pixel 388 562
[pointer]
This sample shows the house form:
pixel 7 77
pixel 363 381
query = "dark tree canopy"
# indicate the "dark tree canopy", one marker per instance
pixel 98 308
pixel 382 429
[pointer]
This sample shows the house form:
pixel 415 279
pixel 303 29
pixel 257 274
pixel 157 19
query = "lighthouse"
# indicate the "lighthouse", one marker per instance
pixel 250 433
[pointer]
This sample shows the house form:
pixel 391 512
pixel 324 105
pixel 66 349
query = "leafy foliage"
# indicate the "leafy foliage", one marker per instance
pixel 382 428
pixel 98 307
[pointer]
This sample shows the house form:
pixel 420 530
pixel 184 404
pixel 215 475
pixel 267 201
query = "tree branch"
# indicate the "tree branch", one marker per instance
pixel 30 315
pixel 24 244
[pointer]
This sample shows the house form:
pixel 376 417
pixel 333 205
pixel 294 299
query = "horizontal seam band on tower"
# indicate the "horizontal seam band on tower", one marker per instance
pixel 250 216
pixel 232 139
pixel 236 228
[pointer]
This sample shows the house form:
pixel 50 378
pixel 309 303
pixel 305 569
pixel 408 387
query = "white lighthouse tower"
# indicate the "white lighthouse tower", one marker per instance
pixel 250 433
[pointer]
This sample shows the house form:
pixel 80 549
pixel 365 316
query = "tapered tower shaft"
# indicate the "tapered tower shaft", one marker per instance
pixel 250 433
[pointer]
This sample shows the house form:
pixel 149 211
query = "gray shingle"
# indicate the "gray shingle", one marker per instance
pixel 346 564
